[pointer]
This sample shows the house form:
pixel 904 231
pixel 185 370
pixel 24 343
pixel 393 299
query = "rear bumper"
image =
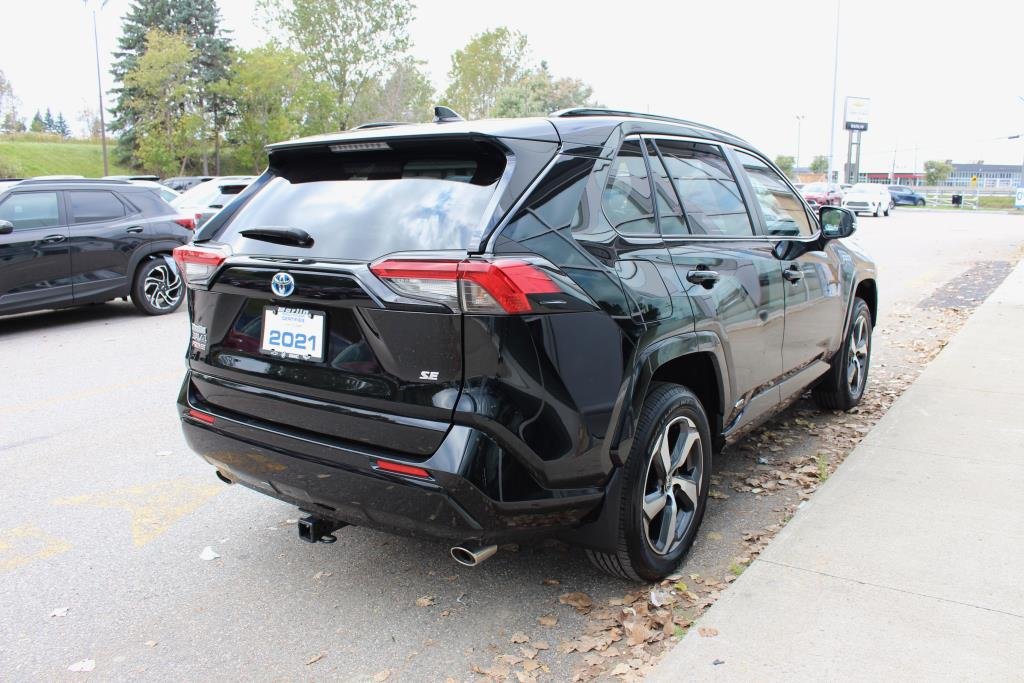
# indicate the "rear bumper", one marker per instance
pixel 343 483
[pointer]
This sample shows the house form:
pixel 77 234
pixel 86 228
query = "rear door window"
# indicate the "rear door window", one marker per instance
pixel 27 210
pixel 670 211
pixel 365 204
pixel 91 206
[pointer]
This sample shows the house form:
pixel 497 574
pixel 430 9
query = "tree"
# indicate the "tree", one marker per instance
pixel 489 62
pixel 61 127
pixel 785 164
pixel 48 122
pixel 819 164
pixel 90 120
pixel 406 94
pixel 538 94
pixel 37 125
pixel 264 88
pixel 168 123
pixel 198 21
pixel 937 172
pixel 10 122
pixel 348 45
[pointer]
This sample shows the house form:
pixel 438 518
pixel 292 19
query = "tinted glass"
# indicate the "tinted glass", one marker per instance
pixel 627 201
pixel 361 206
pixel 783 211
pixel 31 210
pixel 711 198
pixel 88 206
pixel 150 203
pixel 670 211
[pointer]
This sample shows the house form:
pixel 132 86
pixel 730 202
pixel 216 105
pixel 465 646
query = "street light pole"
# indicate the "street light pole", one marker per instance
pixel 835 85
pixel 99 88
pixel 799 119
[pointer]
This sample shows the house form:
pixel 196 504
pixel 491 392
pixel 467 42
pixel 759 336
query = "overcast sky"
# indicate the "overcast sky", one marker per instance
pixel 943 83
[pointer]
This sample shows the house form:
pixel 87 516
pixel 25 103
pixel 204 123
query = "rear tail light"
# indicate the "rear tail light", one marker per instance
pixel 197 264
pixel 497 286
pixel 186 222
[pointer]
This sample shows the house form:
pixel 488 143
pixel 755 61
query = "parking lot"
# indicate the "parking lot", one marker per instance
pixel 120 546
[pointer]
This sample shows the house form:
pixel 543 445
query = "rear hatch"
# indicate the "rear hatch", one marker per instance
pixel 290 325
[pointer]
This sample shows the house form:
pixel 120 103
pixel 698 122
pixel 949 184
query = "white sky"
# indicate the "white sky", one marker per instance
pixel 944 81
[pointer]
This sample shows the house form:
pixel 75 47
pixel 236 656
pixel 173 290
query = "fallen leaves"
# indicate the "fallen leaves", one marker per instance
pixel 547 620
pixel 581 601
pixel 382 675
pixel 519 637
pixel 315 658
pixel 426 601
pixel 707 632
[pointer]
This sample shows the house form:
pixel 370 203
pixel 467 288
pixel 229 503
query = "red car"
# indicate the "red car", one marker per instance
pixel 822 194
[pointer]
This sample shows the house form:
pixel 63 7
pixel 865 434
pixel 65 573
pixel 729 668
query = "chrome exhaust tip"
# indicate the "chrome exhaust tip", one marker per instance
pixel 472 554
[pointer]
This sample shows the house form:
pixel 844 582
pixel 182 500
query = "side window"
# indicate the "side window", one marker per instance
pixel 707 187
pixel 148 203
pixel 670 211
pixel 89 206
pixel 27 210
pixel 783 211
pixel 627 200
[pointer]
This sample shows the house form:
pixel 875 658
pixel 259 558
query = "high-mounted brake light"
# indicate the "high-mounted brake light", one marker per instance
pixel 498 286
pixel 198 263
pixel 399 468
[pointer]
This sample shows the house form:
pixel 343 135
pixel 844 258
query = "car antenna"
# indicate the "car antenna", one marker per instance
pixel 446 115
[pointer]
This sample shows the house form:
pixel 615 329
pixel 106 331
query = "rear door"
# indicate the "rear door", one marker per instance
pixel 731 275
pixel 35 266
pixel 815 309
pixel 105 232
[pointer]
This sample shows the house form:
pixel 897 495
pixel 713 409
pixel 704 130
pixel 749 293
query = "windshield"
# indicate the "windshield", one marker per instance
pixel 362 206
pixel 814 187
pixel 867 188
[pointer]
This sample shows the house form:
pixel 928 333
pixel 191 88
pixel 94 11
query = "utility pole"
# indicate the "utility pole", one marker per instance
pixel 835 84
pixel 796 163
pixel 99 87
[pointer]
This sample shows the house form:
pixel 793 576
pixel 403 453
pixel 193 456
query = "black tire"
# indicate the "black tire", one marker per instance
pixel 837 390
pixel 676 413
pixel 158 288
pixel 878 211
pixel 919 202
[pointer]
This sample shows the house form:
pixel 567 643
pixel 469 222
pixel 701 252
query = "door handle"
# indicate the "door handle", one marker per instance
pixel 793 274
pixel 704 278
pixel 135 229
pixel 53 239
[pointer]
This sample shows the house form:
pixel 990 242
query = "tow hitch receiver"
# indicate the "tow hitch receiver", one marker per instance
pixel 318 529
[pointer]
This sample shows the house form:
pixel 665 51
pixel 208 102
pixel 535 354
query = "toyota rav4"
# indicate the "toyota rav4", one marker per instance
pixel 497 330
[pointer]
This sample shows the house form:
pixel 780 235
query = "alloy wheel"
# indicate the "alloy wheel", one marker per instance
pixel 675 473
pixel 162 287
pixel 856 367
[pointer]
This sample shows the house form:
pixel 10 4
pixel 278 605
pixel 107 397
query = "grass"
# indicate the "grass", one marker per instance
pixel 736 568
pixel 992 202
pixel 822 462
pixel 27 156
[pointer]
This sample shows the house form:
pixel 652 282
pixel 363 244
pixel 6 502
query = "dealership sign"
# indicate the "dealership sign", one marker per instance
pixel 857 113
pixel 1019 200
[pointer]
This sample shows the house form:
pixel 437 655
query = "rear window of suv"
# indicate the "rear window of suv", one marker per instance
pixel 362 204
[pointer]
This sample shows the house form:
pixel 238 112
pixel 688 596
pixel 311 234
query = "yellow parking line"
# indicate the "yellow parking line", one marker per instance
pixel 27 544
pixel 154 507
pixel 90 393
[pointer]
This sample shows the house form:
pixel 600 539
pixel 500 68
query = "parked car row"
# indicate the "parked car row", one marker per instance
pixel 870 198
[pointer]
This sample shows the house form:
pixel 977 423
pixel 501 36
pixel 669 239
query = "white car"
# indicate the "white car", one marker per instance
pixel 206 199
pixel 868 198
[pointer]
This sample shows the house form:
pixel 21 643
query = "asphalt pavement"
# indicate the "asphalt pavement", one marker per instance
pixel 106 517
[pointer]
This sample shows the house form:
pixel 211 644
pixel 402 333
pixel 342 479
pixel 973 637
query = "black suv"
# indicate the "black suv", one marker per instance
pixel 72 242
pixel 493 330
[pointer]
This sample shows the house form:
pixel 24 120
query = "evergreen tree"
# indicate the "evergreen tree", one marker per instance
pixel 61 127
pixel 48 122
pixel 199 22
pixel 37 125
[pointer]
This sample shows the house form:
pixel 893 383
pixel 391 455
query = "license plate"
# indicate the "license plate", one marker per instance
pixel 293 333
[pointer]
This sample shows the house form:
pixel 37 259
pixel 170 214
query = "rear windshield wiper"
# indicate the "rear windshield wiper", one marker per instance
pixel 292 237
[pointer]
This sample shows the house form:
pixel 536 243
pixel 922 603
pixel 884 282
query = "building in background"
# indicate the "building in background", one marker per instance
pixel 990 177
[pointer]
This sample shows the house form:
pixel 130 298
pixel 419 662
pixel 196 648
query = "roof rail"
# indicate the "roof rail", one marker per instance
pixel 378 124
pixel 598 111
pixel 80 181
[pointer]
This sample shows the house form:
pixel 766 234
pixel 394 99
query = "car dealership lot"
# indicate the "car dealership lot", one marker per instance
pixel 106 516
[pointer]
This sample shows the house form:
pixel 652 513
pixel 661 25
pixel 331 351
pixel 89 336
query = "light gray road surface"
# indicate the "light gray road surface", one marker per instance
pixel 105 515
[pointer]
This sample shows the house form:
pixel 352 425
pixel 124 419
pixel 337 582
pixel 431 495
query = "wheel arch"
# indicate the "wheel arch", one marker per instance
pixel 162 248
pixel 867 290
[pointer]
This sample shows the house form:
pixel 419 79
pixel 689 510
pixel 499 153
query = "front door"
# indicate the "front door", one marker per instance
pixel 814 305
pixel 35 267
pixel 733 279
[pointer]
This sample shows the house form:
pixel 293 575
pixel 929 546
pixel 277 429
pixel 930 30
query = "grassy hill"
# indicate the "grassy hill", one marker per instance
pixel 28 155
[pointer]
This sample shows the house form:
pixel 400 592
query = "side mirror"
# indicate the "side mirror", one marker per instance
pixel 6 227
pixel 837 222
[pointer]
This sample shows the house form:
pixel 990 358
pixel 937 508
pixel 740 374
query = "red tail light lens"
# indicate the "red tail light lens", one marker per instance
pixel 201 416
pixel 197 264
pixel 186 222
pixel 399 468
pixel 498 286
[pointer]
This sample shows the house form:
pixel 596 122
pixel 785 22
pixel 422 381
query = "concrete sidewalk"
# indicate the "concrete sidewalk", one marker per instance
pixel 909 561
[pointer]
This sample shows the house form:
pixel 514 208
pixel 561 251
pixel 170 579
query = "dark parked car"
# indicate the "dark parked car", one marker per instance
pixel 496 330
pixel 71 242
pixel 904 196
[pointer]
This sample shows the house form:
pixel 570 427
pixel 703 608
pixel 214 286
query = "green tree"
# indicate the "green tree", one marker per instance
pixel 937 172
pixel 819 164
pixel 10 122
pixel 264 88
pixel 61 127
pixel 785 164
pixel 37 125
pixel 405 94
pixel 489 62
pixel 199 22
pixel 168 123
pixel 48 122
pixel 538 94
pixel 348 46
